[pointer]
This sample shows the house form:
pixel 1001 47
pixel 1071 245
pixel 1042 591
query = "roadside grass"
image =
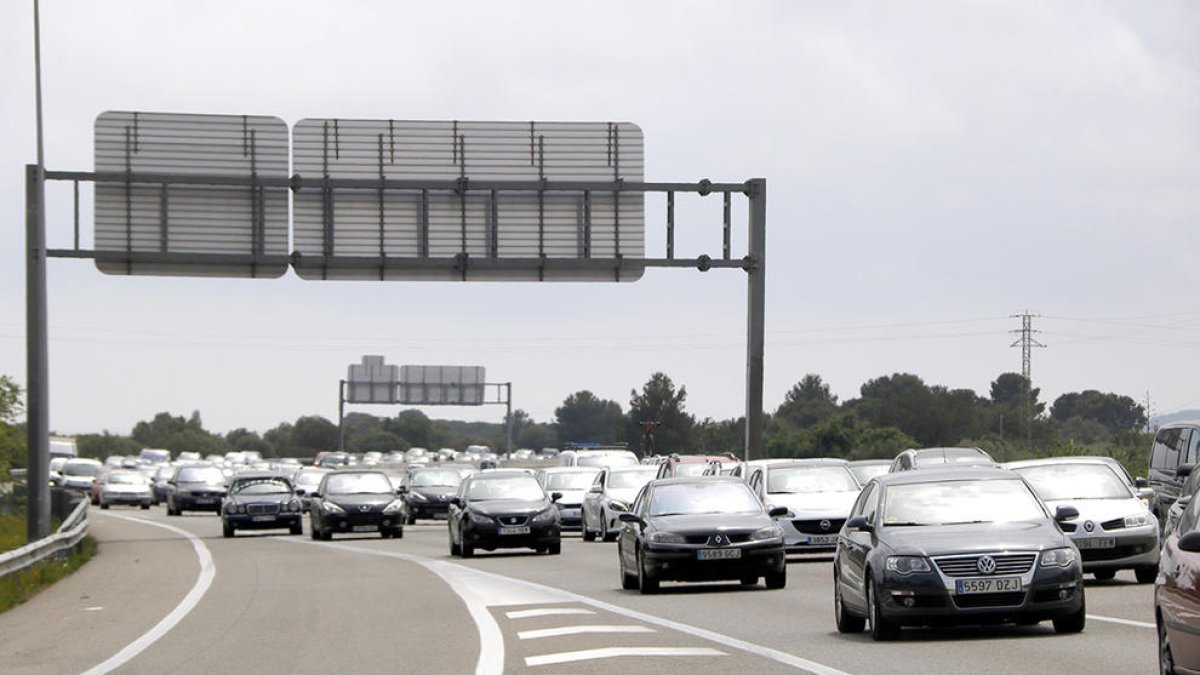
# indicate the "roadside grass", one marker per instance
pixel 20 586
pixel 12 532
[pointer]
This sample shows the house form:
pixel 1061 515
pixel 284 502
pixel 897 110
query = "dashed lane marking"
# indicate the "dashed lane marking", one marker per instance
pixel 555 611
pixel 580 630
pixel 1123 622
pixel 614 652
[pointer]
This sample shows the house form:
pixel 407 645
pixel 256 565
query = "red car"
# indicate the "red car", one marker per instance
pixel 1177 596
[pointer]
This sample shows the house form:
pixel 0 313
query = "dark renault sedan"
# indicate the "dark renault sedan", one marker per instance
pixel 503 509
pixel 356 501
pixel 699 529
pixel 195 488
pixel 954 546
pixel 260 501
pixel 427 492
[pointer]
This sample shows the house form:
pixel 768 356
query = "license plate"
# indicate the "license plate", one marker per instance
pixel 822 539
pixel 262 519
pixel 1096 542
pixel 569 513
pixel 515 530
pixel 718 553
pixel 987 585
pixel 206 501
pixel 363 528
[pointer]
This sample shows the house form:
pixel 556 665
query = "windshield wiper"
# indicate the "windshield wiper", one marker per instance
pixel 905 523
pixel 967 522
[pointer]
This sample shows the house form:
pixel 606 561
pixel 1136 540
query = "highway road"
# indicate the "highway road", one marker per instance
pixel 171 595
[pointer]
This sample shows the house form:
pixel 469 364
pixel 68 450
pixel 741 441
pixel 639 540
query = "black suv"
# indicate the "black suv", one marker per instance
pixel 1174 453
pixel 356 501
pixel 195 488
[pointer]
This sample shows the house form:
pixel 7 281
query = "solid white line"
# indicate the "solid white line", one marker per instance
pixel 558 611
pixel 579 630
pixel 208 570
pixel 1123 622
pixel 613 652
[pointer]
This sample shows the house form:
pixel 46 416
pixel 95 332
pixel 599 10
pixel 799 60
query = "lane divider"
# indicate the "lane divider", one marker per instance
pixel 580 630
pixel 208 570
pixel 1123 622
pixel 613 652
pixel 550 611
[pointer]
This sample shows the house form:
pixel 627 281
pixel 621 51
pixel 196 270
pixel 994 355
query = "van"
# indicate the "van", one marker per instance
pixel 1174 453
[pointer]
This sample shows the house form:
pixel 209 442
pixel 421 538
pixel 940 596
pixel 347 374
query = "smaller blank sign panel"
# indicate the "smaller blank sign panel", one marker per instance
pixel 372 381
pixel 376 225
pixel 442 385
pixel 182 218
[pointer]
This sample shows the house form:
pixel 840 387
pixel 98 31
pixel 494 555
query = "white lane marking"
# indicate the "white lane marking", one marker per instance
pixel 93 609
pixel 550 611
pixel 613 652
pixel 208 570
pixel 579 630
pixel 443 569
pixel 1123 622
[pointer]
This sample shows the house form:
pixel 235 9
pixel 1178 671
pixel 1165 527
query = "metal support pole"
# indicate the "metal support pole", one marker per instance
pixel 341 415
pixel 756 283
pixel 37 396
pixel 509 417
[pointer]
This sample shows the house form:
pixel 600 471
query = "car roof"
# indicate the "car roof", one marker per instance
pixel 864 462
pixel 255 475
pixel 500 473
pixel 814 461
pixel 1020 464
pixel 947 473
pixel 568 469
pixel 698 480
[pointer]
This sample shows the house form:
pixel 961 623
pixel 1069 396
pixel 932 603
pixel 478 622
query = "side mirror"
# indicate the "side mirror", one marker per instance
pixel 859 523
pixel 299 492
pixel 1140 483
pixel 595 489
pixel 630 518
pixel 455 501
pixel 555 496
pixel 1184 470
pixel 315 495
pixel 778 512
pixel 402 489
pixel 1065 513
pixel 1189 542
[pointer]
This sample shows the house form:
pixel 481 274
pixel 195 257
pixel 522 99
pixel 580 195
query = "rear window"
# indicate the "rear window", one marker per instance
pixel 200 474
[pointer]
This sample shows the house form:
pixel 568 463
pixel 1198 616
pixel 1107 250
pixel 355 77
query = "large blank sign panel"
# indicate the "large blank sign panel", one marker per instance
pixel 442 385
pixel 364 231
pixel 154 220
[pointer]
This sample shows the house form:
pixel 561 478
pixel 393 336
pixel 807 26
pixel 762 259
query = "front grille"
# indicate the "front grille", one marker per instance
pixel 513 521
pixel 262 509
pixel 834 525
pixel 1097 554
pixel 1114 524
pixel 968 565
pixel 1011 599
pixel 734 538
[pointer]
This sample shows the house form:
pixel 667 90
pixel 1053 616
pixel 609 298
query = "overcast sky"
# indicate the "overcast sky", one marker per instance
pixel 932 169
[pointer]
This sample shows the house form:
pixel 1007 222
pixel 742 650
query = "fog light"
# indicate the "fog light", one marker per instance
pixel 908 602
pixel 1064 594
pixel 387 523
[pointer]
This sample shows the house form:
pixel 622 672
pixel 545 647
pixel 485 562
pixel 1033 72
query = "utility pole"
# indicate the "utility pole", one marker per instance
pixel 1149 414
pixel 1027 343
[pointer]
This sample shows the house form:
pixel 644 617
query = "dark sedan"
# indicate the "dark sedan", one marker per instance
pixel 700 529
pixel 260 501
pixel 503 509
pixel 356 501
pixel 427 493
pixel 195 488
pixel 954 546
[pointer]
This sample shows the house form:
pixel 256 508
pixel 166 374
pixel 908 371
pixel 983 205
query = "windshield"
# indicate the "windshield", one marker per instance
pixel 207 474
pixel 511 487
pixel 1075 481
pixel 960 501
pixel 81 469
pixel 262 486
pixel 620 480
pixel 570 480
pixel 126 479
pixel 952 456
pixel 810 479
pixel 606 460
pixel 309 478
pixel 865 472
pixel 690 468
pixel 357 483
pixel 439 478
pixel 705 497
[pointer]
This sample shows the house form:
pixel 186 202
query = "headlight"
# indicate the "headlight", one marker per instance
pixel 1139 520
pixel 418 497
pixel 665 538
pixel 396 505
pixel 546 516
pixel 619 504
pixel 1058 557
pixel 330 507
pixel 294 505
pixel 772 532
pixel 480 519
pixel 907 564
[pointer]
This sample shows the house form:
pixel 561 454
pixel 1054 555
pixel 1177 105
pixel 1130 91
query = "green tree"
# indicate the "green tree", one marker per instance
pixel 178 434
pixel 808 401
pixel 717 437
pixel 312 434
pixel 413 426
pixel 585 418
pixel 99 446
pixel 12 435
pixel 660 403
pixel 1116 413
pixel 242 440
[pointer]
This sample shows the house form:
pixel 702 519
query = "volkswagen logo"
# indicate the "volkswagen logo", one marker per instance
pixel 1088 526
pixel 825 525
pixel 986 564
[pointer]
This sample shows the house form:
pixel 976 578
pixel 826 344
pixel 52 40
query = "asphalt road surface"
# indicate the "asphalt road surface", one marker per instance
pixel 171 595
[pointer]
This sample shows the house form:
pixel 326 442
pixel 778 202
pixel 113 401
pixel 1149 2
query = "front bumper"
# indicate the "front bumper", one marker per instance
pixel 428 510
pixel 923 599
pixel 488 537
pixel 570 516
pixel 810 535
pixel 680 562
pixel 130 498
pixel 372 521
pixel 1135 548
pixel 210 501
pixel 246 521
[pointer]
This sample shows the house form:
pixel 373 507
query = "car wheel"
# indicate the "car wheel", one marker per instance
pixel 881 629
pixel 846 622
pixel 604 533
pixel 1147 574
pixel 327 535
pixel 227 530
pixel 455 549
pixel 628 581
pixel 1166 660
pixel 1071 623
pixel 467 551
pixel 398 533
pixel 410 520
pixel 749 580
pixel 1104 575
pixel 647 584
pixel 314 532
pixel 776 580
pixel 555 548
pixel 103 506
pixel 386 534
pixel 145 507
pixel 588 535
pixel 171 510
pixel 296 529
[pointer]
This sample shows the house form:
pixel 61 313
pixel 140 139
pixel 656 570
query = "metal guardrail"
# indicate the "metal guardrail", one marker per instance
pixel 70 533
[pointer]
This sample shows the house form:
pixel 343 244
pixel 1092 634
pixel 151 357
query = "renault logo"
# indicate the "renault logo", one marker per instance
pixel 1088 526
pixel 986 564
pixel 717 540
pixel 825 524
